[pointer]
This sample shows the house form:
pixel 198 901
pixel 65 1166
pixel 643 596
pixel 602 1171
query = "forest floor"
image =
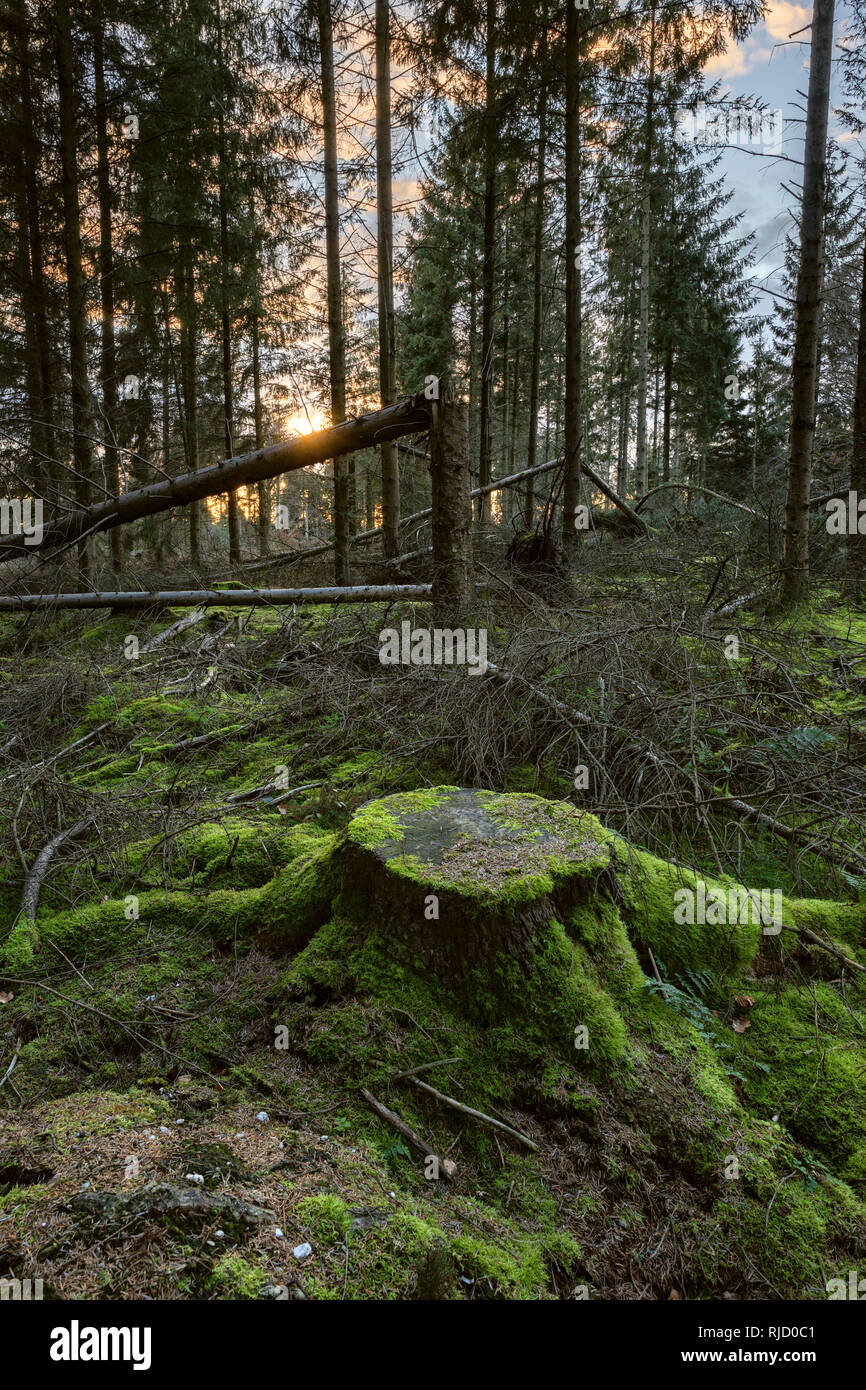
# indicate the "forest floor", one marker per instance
pixel 156 1022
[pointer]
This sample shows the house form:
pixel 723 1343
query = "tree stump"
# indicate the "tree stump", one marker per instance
pixel 465 878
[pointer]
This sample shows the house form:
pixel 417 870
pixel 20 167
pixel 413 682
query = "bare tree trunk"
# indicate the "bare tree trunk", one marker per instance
pixel 189 384
pixel 385 270
pixel 489 266
pixel 453 581
pixel 234 521
pixel 76 292
pixel 30 153
pixel 666 421
pixel 804 376
pixel 33 377
pixel 336 334
pixel 643 340
pixel 108 351
pixel 263 520
pixel 537 246
pixel 856 545
pixel 573 342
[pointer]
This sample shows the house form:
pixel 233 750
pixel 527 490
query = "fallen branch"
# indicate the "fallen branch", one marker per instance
pixel 613 497
pixel 189 620
pixel 475 1114
pixel 694 487
pixel 36 876
pixel 425 1066
pixel 826 946
pixel 363 536
pixel 444 1165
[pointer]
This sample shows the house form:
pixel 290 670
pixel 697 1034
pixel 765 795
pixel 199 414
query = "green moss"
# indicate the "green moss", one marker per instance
pixel 804 1060
pixel 326 1216
pixel 235 1277
pixel 650 908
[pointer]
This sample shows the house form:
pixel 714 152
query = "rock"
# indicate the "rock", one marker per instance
pixel 172 1204
pixel 302 1252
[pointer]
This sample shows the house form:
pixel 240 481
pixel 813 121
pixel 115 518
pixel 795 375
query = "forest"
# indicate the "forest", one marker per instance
pixel 432 655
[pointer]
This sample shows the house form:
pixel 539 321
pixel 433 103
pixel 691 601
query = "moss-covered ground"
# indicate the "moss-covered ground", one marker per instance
pixel 204 992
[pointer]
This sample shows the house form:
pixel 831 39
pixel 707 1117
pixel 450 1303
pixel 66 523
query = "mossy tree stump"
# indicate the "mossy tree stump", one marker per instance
pixel 463 877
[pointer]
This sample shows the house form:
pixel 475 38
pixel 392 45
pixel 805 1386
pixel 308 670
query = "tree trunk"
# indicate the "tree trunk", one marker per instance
pixel 189 384
pixel 453 582
pixel 666 420
pixel 406 417
pixel 385 270
pixel 76 292
pixel 489 265
pixel 263 519
pixel 336 335
pixel 641 483
pixel 108 351
pixel 856 545
pixel 573 343
pixel 30 154
pixel 537 246
pixel 234 521
pixel 804 376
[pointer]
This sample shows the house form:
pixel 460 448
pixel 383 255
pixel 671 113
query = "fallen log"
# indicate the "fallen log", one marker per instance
pixel 407 417
pixel 221 598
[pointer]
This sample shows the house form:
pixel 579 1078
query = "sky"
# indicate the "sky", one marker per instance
pixel 774 67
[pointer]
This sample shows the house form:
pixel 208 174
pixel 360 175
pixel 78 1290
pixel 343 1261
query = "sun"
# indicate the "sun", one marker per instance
pixel 301 424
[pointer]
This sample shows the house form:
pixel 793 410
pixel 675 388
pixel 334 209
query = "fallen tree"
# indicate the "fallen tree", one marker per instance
pixel 407 417
pixel 222 598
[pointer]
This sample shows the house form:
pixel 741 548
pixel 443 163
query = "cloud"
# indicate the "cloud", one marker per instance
pixel 737 60
pixel 783 19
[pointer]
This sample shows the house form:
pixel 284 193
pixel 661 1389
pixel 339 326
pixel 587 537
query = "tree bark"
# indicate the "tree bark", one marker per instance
pixel 385 271
pixel 453 583
pixel 804 376
pixel 646 212
pixel 220 598
pixel 234 521
pixel 43 437
pixel 666 418
pixel 489 265
pixel 336 333
pixel 108 350
pixel 537 247
pixel 573 342
pixel 76 292
pixel 189 384
pixel 263 519
pixel 855 557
